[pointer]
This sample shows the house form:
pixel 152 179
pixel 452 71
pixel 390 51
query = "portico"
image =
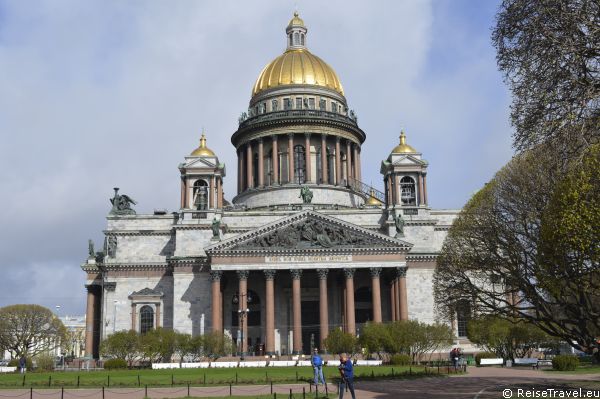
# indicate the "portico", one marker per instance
pixel 311 258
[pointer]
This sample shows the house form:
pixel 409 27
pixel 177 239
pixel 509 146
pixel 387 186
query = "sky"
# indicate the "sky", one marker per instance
pixel 111 93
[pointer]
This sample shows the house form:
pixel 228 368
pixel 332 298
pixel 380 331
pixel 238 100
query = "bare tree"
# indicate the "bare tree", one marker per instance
pixel 29 330
pixel 517 250
pixel 549 52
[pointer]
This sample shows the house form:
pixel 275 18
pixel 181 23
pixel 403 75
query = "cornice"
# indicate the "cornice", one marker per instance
pixel 143 232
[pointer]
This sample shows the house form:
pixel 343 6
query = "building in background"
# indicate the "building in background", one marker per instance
pixel 304 247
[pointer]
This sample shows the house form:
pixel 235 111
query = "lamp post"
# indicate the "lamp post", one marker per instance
pixel 243 314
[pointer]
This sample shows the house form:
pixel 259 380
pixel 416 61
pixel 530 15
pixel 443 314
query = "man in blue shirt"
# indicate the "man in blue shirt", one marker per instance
pixel 347 374
pixel 317 364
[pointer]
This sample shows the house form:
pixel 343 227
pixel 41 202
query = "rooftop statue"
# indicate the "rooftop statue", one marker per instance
pixel 121 204
pixel 399 222
pixel 216 226
pixel 306 195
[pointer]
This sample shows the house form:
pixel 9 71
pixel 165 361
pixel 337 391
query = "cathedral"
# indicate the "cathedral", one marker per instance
pixel 303 248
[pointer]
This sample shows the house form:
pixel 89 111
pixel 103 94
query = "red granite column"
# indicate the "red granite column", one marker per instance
pixel 376 291
pixel 275 157
pixel 323 305
pixel 216 305
pixel 356 161
pixel 350 316
pixel 324 159
pixel 421 192
pixel 291 157
pixel 307 158
pixel 297 311
pixel 240 175
pixel 425 187
pixel 338 162
pixel 90 317
pixel 403 296
pixel 243 306
pixel 261 164
pixel 249 172
pixel 348 162
pixel 270 309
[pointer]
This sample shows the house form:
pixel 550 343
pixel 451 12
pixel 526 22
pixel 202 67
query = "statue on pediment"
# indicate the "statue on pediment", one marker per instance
pixel 306 195
pixel 91 252
pixel 121 204
pixel 399 223
pixel 216 227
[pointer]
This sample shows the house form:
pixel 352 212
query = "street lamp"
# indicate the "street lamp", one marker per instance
pixel 243 314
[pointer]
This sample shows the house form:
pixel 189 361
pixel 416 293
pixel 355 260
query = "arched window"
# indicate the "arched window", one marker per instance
pixel 319 166
pixel 463 315
pixel 299 164
pixel 146 319
pixel 268 166
pixel 200 195
pixel 363 300
pixel 407 191
pixel 296 41
pixel 302 39
pixel 290 39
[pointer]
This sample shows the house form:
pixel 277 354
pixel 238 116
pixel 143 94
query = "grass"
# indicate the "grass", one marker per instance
pixel 280 395
pixel 198 377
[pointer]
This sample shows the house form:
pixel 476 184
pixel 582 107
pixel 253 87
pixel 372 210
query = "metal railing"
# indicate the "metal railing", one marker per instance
pixel 297 113
pixel 365 189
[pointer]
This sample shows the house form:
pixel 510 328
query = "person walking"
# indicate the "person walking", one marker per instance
pixel 347 373
pixel 23 364
pixel 317 363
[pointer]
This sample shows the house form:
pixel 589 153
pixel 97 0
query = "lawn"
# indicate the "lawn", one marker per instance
pixel 583 369
pixel 199 377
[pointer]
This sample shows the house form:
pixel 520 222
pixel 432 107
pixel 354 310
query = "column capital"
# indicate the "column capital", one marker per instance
pixel 215 275
pixel 375 272
pixel 274 136
pixel 401 272
pixel 260 139
pixel 307 135
pixel 243 274
pixel 338 139
pixel 349 273
pixel 269 274
pixel 296 274
pixel 291 135
pixel 322 273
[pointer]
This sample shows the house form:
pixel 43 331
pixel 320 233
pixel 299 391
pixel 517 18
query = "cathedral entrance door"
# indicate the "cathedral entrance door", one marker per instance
pixel 310 325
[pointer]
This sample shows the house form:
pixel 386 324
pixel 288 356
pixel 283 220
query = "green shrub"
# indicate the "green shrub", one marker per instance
pixel 400 360
pixel 44 363
pixel 484 355
pixel 112 364
pixel 565 362
pixel 15 363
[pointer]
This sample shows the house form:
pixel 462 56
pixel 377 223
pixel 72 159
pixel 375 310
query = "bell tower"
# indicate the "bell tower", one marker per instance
pixel 404 176
pixel 202 180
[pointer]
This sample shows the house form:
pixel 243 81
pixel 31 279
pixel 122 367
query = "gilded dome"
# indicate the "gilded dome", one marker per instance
pixel 403 148
pixel 372 200
pixel 297 66
pixel 203 150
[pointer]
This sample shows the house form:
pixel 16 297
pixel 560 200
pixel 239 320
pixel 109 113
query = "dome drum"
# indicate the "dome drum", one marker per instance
pixel 284 196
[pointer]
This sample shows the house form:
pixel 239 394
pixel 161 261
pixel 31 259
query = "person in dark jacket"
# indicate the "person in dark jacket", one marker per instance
pixel 22 364
pixel 347 373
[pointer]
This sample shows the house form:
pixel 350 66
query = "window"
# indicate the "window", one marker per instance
pixel 255 170
pixel 363 300
pixel 283 168
pixel 311 103
pixel 290 39
pixel 146 319
pixel 319 166
pixel 262 108
pixel 298 102
pixel 274 105
pixel 323 104
pixel 299 164
pixel 407 191
pixel 463 315
pixel 333 106
pixel 330 166
pixel 302 39
pixel 287 103
pixel 200 195
pixel 296 41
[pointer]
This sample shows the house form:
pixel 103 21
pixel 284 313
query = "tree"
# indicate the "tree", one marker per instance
pixel 217 344
pixel 509 339
pixel 157 345
pixel 374 338
pixel 338 341
pixel 510 253
pixel 121 345
pixel 197 347
pixel 28 330
pixel 401 337
pixel 183 346
pixel 549 52
pixel 428 338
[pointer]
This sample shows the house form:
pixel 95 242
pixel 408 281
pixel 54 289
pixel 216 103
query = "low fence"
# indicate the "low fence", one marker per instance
pixel 255 364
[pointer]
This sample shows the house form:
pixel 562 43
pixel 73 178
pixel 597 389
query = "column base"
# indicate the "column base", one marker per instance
pixel 270 353
pixel 296 352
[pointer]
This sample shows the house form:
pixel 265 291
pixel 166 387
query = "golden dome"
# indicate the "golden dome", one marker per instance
pixel 296 21
pixel 372 200
pixel 403 148
pixel 296 67
pixel 203 150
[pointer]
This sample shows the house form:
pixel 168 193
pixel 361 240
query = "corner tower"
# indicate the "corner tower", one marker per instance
pixel 298 131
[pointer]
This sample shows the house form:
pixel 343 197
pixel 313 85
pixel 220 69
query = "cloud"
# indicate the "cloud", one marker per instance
pixel 103 94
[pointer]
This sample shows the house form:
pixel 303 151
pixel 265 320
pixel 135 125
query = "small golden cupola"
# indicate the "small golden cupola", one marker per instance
pixel 372 200
pixel 403 148
pixel 203 150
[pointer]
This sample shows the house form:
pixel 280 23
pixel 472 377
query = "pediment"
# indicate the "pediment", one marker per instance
pixel 204 162
pixel 309 231
pixel 408 160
